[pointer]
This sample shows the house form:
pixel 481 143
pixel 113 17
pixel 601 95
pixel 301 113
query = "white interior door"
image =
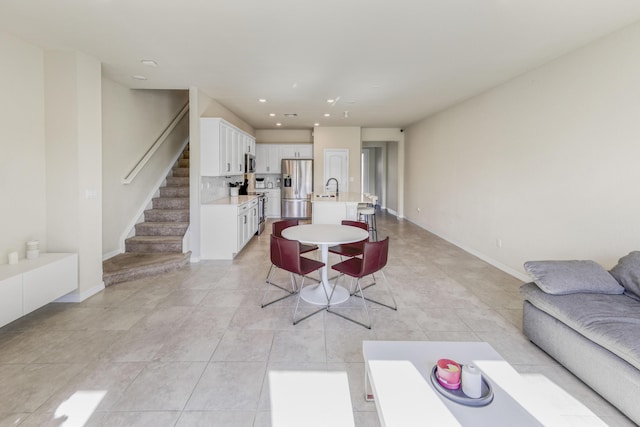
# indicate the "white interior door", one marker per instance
pixel 336 165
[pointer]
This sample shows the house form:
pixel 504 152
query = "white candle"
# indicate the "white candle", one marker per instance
pixel 471 381
pixel 13 257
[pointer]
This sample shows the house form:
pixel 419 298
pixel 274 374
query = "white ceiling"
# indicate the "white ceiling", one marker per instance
pixel 388 63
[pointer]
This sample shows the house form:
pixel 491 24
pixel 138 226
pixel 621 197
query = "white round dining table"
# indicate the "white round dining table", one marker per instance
pixel 324 235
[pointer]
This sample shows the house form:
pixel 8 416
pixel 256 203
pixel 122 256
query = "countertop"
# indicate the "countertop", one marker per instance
pixel 229 200
pixel 265 190
pixel 340 198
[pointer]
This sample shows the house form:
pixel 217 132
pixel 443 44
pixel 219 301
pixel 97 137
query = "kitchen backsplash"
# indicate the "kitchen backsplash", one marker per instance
pixel 272 179
pixel 216 187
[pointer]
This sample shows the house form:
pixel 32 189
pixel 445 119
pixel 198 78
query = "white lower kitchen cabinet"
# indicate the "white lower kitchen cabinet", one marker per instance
pixel 30 284
pixel 272 202
pixel 227 225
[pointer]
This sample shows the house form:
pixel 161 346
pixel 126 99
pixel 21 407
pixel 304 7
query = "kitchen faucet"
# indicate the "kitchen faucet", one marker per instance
pixel 337 185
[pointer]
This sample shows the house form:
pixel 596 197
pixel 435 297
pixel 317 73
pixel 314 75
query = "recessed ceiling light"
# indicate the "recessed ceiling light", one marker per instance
pixel 331 101
pixel 139 77
pixel 262 100
pixel 272 114
pixel 316 124
pixel 278 124
pixel 327 114
pixel 149 62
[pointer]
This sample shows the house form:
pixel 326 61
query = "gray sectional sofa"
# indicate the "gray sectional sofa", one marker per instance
pixel 588 319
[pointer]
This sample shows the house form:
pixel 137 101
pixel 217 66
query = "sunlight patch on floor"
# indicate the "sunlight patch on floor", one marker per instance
pixel 310 398
pixel 77 409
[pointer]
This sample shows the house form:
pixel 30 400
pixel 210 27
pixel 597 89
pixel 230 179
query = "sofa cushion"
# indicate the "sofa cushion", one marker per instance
pixel 627 273
pixel 567 277
pixel 611 321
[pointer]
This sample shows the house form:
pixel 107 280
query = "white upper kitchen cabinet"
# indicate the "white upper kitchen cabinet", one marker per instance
pixel 262 154
pixel 296 151
pixel 268 158
pixel 238 153
pixel 222 147
pixel 249 144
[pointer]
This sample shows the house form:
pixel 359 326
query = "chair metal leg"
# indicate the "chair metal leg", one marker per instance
pixel 364 304
pixel 269 283
pixel 374 226
pixel 395 304
pixel 295 312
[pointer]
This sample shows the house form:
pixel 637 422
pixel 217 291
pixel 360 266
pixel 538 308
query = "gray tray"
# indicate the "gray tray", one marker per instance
pixel 458 396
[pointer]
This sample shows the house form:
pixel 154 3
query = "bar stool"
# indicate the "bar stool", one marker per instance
pixel 368 214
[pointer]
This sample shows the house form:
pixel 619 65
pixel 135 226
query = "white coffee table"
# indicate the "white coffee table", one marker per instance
pixel 324 235
pixel 397 378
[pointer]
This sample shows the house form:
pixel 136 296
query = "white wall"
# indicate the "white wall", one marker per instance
pixel 132 121
pixel 336 137
pixel 213 108
pixel 73 163
pixel 50 138
pixel 280 136
pixel 393 178
pixel 547 163
pixel 22 144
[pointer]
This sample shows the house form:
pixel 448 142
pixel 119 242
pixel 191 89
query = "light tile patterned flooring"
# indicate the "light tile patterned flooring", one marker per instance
pixel 194 347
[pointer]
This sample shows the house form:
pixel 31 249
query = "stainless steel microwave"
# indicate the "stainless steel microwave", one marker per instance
pixel 249 163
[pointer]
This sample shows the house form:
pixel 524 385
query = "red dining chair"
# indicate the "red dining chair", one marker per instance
pixel 277 227
pixel 276 261
pixel 291 261
pixel 276 230
pixel 351 249
pixel 374 259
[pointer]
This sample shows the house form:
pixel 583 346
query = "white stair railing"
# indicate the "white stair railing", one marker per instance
pixel 149 153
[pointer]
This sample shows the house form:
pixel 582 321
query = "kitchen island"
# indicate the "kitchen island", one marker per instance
pixel 329 208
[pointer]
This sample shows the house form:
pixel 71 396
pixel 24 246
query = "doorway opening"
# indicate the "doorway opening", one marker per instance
pixel 379 172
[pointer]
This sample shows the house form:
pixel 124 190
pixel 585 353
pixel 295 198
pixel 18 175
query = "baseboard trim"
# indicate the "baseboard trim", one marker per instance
pixel 518 275
pixel 111 254
pixel 79 297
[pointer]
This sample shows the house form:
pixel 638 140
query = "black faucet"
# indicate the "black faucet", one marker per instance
pixel 337 185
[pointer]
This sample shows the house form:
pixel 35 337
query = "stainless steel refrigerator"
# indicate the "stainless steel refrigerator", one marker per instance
pixel 297 187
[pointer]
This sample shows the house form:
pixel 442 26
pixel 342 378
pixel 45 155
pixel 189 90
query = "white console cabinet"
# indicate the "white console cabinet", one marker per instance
pixel 30 284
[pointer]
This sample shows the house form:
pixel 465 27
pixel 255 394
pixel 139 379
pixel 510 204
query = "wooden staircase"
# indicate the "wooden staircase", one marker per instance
pixel 157 245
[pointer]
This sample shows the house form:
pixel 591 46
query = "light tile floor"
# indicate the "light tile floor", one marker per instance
pixel 194 347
